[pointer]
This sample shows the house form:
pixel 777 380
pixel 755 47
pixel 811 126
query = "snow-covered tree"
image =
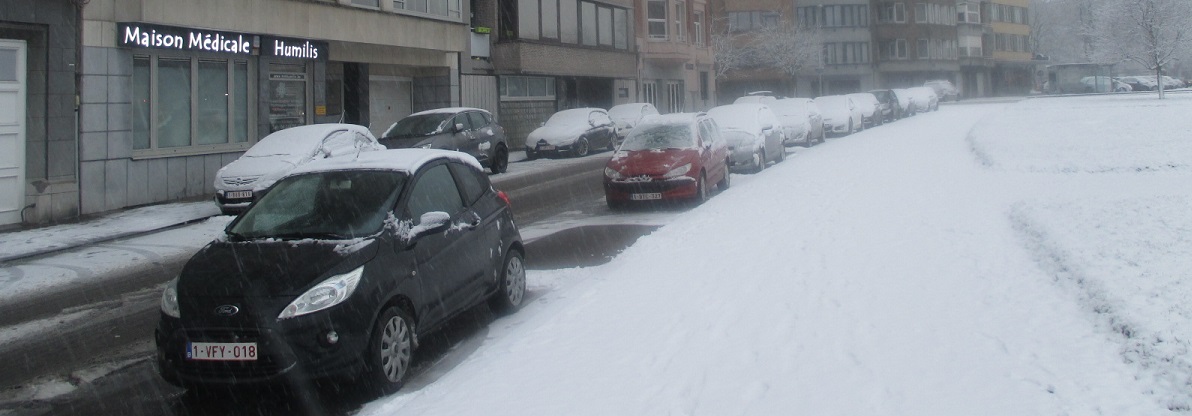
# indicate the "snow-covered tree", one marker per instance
pixel 783 47
pixel 1151 33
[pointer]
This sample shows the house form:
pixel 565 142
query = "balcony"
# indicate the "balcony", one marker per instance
pixel 675 51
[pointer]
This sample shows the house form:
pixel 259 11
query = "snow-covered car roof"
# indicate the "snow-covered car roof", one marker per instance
pixel 673 118
pixel 301 139
pixel 629 111
pixel 573 115
pixel 399 160
pixel 449 110
pixel 738 116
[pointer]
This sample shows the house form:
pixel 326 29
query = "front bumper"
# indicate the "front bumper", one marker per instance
pixel 682 187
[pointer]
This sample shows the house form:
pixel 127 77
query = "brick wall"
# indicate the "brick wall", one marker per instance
pixel 519 118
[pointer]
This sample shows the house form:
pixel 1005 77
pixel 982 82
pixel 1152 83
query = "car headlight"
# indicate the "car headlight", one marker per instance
pixel 681 170
pixel 324 295
pixel 612 173
pixel 169 299
pixel 424 145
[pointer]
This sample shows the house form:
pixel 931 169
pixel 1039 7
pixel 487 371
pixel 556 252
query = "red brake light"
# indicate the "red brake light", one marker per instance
pixel 504 197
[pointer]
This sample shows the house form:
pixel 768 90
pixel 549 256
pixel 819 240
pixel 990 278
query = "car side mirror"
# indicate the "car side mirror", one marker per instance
pixel 767 127
pixel 430 223
pixel 592 123
pixel 459 126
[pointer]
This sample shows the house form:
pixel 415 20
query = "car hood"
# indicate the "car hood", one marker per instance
pixel 556 135
pixel 269 268
pixel 255 173
pixel 651 162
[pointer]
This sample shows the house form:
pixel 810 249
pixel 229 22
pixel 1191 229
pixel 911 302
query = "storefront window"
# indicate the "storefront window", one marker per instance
pixel 173 104
pixel 140 102
pixel 287 96
pixel 240 130
pixel 211 127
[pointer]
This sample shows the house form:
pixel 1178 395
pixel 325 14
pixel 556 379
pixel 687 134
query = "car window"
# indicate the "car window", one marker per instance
pixel 434 190
pixel 470 180
pixel 462 118
pixel 478 120
pixel 705 132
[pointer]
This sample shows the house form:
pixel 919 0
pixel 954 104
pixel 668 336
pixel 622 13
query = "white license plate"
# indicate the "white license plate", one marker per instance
pixel 238 194
pixel 645 197
pixel 221 351
pixel 546 148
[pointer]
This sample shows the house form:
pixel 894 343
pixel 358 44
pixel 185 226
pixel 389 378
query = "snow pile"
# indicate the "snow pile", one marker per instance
pixel 1089 134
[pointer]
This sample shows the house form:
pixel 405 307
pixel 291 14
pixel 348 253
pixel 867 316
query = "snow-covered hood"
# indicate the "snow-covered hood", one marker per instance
pixel 556 135
pixel 654 162
pixel 256 173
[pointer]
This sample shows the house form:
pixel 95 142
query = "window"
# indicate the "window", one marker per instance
pixel 969 13
pixel 446 8
pixel 922 49
pixel 527 16
pixel 550 19
pixel 568 25
pixel 674 93
pixel 846 53
pixel 620 29
pixel 650 92
pixel 189 104
pixel 680 21
pixel 587 21
pixel 527 88
pixel 656 18
pixel 920 12
pixel 367 3
pixel 605 16
pixel 752 20
pixel 894 49
pixel 697 27
pixel 434 191
pixel 703 85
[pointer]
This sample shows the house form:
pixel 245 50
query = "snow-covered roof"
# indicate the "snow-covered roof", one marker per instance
pixel 673 118
pixel 300 139
pixel 400 160
pixel 449 110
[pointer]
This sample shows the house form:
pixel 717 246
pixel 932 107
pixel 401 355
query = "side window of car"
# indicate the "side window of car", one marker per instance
pixel 462 118
pixel 434 190
pixel 478 121
pixel 470 180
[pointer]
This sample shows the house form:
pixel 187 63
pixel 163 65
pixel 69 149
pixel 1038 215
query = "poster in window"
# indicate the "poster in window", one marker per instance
pixel 287 100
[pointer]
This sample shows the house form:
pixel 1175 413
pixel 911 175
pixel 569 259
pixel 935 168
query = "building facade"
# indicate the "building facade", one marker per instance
pixel 39 53
pixel 677 64
pixel 917 41
pixel 1013 67
pixel 846 30
pixel 172 91
pixel 740 22
pixel 548 55
pixel 974 34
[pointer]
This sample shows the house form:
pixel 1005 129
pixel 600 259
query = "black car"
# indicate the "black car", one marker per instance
pixel 339 270
pixel 470 130
pixel 892 110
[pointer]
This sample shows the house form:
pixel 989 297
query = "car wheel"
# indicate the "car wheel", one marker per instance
pixel 581 147
pixel 511 290
pixel 759 161
pixel 390 351
pixel 531 155
pixel 725 181
pixel 781 153
pixel 500 160
pixel 701 189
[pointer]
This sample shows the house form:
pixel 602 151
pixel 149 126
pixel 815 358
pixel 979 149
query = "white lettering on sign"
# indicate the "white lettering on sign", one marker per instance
pixel 305 50
pixel 151 39
pixel 218 43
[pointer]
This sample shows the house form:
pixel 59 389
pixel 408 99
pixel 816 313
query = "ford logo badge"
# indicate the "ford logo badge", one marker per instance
pixel 226 310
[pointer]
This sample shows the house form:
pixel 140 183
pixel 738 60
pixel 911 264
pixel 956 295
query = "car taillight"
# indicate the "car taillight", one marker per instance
pixel 504 197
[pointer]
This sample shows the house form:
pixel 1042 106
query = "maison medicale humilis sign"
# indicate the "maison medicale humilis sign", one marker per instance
pixel 153 36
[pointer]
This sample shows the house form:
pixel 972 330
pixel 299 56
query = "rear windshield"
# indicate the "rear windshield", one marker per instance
pixel 335 205
pixel 660 136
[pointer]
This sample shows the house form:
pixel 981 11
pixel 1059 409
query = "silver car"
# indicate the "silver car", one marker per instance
pixel 463 129
pixel 753 133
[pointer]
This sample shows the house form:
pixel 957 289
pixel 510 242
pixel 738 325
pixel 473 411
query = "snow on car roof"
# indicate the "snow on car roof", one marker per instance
pixel 673 118
pixel 300 139
pixel 400 160
pixel 449 110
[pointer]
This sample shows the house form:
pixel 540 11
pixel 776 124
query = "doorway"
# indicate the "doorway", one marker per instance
pixel 12 130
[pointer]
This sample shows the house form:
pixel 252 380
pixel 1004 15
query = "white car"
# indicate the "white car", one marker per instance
pixel 247 178
pixel 925 99
pixel 841 115
pixel 627 116
pixel 870 108
pixel 753 134
pixel 943 89
pixel 906 102
pixel 801 121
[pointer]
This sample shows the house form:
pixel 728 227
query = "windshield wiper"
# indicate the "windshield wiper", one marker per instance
pixel 311 235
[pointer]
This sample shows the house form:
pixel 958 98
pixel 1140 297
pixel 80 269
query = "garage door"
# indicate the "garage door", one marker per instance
pixel 12 130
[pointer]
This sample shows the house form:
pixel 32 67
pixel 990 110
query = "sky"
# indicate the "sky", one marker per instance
pixel 999 259
pixel 993 258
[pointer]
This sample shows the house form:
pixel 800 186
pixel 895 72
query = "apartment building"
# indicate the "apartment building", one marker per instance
pixel 974 32
pixel 1013 67
pixel 846 30
pixel 38 163
pixel 740 21
pixel 172 91
pixel 917 41
pixel 549 55
pixel 677 64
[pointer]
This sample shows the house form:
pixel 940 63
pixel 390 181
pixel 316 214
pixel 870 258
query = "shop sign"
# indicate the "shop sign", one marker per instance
pixel 143 35
pixel 293 48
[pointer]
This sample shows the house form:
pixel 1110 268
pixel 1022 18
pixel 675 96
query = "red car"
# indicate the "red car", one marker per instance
pixel 670 157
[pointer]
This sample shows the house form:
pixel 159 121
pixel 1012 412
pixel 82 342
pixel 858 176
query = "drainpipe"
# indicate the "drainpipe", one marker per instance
pixel 78 88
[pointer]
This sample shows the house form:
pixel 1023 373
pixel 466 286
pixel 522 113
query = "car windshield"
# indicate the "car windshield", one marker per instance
pixel 334 205
pixel 625 112
pixel 660 136
pixel 418 125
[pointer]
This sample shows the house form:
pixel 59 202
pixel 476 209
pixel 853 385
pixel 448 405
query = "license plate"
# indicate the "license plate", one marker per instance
pixel 221 351
pixel 645 197
pixel 546 148
pixel 238 194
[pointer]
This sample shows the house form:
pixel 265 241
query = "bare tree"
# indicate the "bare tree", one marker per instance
pixel 784 47
pixel 1151 33
pixel 1065 30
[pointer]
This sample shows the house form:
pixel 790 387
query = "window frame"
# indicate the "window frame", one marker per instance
pixel 651 20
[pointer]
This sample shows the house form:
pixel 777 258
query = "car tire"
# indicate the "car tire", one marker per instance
pixel 701 189
pixel 500 161
pixel 781 154
pixel 390 351
pixel 760 160
pixel 725 182
pixel 580 149
pixel 531 155
pixel 511 289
